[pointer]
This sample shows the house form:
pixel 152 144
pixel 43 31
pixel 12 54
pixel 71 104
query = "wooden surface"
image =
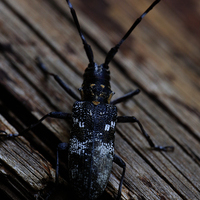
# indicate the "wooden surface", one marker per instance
pixel 161 57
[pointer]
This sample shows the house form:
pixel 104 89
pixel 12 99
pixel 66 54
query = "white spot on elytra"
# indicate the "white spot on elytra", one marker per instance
pixel 112 124
pixel 75 120
pixel 107 127
pixel 81 124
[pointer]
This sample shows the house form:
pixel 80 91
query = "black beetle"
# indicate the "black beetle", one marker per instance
pixel 94 117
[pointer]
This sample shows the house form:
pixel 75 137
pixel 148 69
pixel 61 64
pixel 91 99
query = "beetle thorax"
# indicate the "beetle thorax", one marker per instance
pixel 96 84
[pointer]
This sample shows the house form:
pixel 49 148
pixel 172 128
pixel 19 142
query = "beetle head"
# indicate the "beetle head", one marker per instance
pixel 96 84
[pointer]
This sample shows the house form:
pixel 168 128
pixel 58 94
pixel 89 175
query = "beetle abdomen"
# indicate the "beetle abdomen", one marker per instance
pixel 91 148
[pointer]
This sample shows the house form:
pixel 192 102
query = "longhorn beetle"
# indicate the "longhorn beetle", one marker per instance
pixel 94 116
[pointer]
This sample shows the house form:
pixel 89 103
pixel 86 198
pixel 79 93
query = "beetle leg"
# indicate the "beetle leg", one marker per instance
pixel 58 115
pixel 61 147
pixel 44 70
pixel 124 119
pixel 125 97
pixel 122 164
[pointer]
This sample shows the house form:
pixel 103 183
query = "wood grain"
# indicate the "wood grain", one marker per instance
pixel 161 57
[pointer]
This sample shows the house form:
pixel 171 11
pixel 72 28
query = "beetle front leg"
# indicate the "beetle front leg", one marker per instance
pixel 125 119
pixel 58 115
pixel 122 164
pixel 44 70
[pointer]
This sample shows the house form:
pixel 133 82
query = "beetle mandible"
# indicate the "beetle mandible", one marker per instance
pixel 94 117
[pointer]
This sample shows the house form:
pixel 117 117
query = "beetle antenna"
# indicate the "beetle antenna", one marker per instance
pixel 114 50
pixel 87 47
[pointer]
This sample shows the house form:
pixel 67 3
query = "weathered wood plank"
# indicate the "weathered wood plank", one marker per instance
pixel 150 175
pixel 18 175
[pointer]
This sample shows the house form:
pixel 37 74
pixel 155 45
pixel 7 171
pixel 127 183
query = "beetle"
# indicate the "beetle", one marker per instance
pixel 94 118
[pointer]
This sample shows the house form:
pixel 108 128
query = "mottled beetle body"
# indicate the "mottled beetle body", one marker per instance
pixel 91 146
